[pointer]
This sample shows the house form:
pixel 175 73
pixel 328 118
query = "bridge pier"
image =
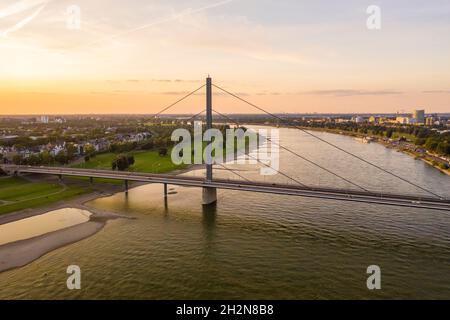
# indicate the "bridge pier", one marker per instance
pixel 91 180
pixel 60 177
pixel 209 196
pixel 165 190
pixel 126 186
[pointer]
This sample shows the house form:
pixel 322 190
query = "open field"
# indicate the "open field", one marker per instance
pixel 17 194
pixel 145 161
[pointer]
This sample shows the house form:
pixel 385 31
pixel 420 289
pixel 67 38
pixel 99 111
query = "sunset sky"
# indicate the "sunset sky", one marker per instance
pixel 137 56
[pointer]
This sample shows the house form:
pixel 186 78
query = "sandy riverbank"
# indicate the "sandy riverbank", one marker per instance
pixel 20 253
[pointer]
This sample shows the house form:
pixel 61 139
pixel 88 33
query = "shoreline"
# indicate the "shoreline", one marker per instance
pixel 376 140
pixel 20 253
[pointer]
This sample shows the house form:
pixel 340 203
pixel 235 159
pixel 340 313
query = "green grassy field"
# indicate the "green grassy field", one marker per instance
pixel 17 194
pixel 145 161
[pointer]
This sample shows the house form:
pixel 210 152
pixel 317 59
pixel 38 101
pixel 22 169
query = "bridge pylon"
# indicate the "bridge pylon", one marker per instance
pixel 209 194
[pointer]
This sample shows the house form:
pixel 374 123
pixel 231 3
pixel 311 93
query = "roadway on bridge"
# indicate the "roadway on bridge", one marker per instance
pixel 281 189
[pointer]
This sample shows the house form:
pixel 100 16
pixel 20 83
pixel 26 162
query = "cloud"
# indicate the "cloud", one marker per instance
pixel 152 80
pixel 265 93
pixel 174 93
pixel 19 7
pixel 436 91
pixel 215 93
pixel 350 92
pixel 173 17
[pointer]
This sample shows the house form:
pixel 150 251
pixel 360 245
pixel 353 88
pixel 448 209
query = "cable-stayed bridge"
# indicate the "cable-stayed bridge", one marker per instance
pixel 209 184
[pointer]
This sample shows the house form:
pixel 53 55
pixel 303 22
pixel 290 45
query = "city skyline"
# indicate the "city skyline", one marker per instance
pixel 294 57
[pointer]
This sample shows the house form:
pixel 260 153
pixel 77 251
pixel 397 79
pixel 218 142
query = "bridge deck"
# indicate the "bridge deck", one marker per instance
pixel 281 189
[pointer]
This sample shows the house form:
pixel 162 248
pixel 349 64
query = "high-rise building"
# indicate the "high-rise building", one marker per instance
pixel 419 115
pixel 429 121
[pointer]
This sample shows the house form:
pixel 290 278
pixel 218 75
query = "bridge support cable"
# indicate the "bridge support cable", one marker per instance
pixel 329 143
pixel 302 157
pixel 265 164
pixel 178 101
pixel 195 115
pixel 233 171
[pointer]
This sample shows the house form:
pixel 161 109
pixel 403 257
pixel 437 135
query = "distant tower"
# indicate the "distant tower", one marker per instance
pixel 419 115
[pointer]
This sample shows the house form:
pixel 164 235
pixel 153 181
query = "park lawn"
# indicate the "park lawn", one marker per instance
pixel 17 194
pixel 10 182
pixel 100 161
pixel 145 161
pixel 152 162
pixel 27 191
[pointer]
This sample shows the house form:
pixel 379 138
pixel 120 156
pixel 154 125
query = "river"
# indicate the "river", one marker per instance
pixel 260 246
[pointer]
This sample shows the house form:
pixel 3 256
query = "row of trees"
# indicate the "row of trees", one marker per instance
pixel 434 144
pixel 149 144
pixel 43 158
pixel 431 140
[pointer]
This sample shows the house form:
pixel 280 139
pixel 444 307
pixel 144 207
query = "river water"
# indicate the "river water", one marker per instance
pixel 260 246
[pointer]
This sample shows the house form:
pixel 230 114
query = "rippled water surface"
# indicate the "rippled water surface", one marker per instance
pixel 253 246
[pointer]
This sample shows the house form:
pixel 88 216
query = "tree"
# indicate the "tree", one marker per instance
pixel 46 158
pixel 163 152
pixel 443 148
pixel 121 162
pixel 389 132
pixel 443 166
pixel 89 149
pixel 431 144
pixel 420 141
pixel 17 159
pixel 33 160
pixel 61 157
pixel 148 145
pixel 71 151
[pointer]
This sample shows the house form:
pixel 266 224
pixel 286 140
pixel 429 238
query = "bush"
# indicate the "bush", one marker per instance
pixel 163 152
pixel 87 158
pixel 443 166
pixel 148 145
pixel 420 141
pixel 389 133
pixel 122 162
